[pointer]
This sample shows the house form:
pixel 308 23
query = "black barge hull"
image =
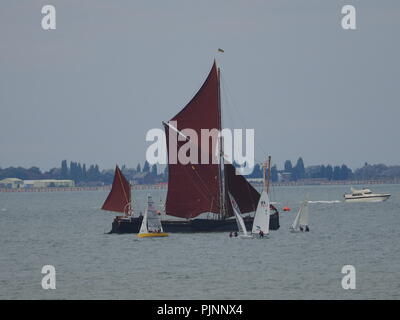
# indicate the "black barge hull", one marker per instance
pixel 190 226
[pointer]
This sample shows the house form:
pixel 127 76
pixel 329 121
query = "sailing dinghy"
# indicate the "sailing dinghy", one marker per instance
pixel 263 212
pixel 151 224
pixel 300 223
pixel 239 220
pixel 261 219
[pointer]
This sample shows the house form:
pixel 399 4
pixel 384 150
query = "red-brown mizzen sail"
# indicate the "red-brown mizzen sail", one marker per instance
pixel 195 188
pixel 243 192
pixel 119 198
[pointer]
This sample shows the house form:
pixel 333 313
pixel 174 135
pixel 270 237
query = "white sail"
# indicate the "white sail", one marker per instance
pixel 143 227
pixel 261 219
pixel 239 219
pixel 296 221
pixel 153 218
pixel 304 214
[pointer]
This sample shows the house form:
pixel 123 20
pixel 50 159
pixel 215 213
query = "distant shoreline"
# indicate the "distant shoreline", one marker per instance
pixel 165 185
pixel 334 182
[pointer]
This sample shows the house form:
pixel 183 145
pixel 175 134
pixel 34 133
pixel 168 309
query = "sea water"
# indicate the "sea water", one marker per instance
pixel 68 230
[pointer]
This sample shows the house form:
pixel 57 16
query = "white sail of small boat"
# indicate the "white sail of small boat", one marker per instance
pixel 143 227
pixel 239 219
pixel 261 219
pixel 296 222
pixel 304 214
pixel 300 223
pixel 151 224
pixel 263 212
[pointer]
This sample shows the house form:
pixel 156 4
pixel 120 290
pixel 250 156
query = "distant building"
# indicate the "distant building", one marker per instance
pixel 48 183
pixel 138 178
pixel 284 176
pixel 255 180
pixel 11 183
pixel 314 181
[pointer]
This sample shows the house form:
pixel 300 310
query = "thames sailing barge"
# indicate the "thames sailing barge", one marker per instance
pixel 198 193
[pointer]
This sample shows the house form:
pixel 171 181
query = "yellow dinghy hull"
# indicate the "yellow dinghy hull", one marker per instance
pixel 152 235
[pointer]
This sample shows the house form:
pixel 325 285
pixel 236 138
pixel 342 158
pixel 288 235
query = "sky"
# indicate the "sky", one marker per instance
pixel 112 70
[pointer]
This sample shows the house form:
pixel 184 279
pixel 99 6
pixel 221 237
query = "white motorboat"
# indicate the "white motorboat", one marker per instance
pixel 365 195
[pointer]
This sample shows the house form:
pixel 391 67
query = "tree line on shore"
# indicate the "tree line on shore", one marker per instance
pixel 90 175
pixel 300 172
pixel 150 174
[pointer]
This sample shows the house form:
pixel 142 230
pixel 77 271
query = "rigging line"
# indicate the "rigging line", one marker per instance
pixel 227 94
pixel 229 99
pixel 123 189
pixel 196 186
pixel 212 202
pixel 272 192
pixel 204 184
pixel 227 103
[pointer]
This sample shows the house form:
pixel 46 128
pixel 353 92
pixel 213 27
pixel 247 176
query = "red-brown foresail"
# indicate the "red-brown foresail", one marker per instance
pixel 119 199
pixel 243 192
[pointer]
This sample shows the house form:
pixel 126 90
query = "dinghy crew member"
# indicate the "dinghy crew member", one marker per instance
pixel 261 233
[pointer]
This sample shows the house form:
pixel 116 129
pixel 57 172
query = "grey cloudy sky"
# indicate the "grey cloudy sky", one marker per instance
pixel 91 89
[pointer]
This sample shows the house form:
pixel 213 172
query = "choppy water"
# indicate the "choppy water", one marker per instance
pixel 66 229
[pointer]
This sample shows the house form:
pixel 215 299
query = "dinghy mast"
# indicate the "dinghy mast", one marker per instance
pixel 267 165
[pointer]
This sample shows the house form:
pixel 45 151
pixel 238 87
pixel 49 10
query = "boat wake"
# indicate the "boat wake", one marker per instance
pixel 325 201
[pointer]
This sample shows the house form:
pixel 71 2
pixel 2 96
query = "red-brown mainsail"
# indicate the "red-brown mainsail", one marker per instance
pixel 197 188
pixel 119 198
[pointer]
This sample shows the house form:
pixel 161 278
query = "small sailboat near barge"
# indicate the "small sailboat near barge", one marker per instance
pixel 263 212
pixel 151 225
pixel 198 193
